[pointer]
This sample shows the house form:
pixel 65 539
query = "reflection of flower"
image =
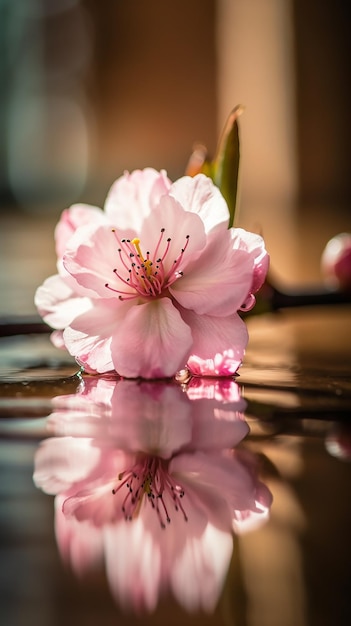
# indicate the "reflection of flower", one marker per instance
pixel 148 488
pixel 155 281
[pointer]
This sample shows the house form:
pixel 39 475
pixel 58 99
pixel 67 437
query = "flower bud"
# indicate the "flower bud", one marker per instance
pixel 336 262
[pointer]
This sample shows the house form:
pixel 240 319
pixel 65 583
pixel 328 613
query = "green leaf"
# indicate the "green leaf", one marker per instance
pixel 226 164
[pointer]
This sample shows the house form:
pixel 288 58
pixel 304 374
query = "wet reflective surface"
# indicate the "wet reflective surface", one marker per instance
pixel 152 503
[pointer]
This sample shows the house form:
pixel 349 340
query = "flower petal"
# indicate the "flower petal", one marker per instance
pixel 218 344
pixel 76 216
pixel 182 229
pixel 88 338
pixel 254 245
pixel 153 341
pixel 92 255
pixel 57 302
pixel 219 280
pixel 199 195
pixel 133 196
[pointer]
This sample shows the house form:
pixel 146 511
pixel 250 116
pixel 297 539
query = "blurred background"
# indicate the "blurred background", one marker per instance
pixel 89 89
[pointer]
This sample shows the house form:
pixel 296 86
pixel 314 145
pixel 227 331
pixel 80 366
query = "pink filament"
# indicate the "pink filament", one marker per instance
pixel 149 481
pixel 145 277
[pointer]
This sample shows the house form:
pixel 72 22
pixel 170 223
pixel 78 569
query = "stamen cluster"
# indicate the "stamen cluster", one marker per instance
pixel 149 481
pixel 146 275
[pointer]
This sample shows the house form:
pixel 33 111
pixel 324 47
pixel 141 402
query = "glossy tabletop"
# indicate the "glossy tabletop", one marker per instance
pixel 290 567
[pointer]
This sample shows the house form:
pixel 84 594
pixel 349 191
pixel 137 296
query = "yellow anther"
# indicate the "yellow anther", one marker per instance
pixel 147 262
pixel 136 244
pixel 147 485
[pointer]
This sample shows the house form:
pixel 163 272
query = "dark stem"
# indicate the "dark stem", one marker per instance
pixel 283 300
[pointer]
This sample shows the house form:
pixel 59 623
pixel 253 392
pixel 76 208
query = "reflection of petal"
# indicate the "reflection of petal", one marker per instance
pixel 223 390
pixel 133 564
pixel 199 571
pixel 148 483
pixel 61 462
pixel 137 416
pixel 257 514
pixel 217 410
pixel 212 434
pixel 159 417
pixel 80 543
pixel 215 476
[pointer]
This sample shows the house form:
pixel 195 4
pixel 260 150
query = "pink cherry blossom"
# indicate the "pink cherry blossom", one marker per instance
pixel 153 496
pixel 155 281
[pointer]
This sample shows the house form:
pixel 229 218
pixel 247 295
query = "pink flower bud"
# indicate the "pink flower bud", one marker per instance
pixel 336 262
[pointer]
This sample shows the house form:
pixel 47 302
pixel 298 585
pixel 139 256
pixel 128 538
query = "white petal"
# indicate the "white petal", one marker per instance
pixel 133 196
pixel 71 219
pixel 88 338
pixel 201 196
pixel 57 302
pixel 199 571
pixel 62 461
pixel 133 564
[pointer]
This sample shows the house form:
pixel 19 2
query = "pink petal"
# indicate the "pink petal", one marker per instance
pixel 218 344
pixel 219 280
pixel 199 195
pixel 56 339
pixel 71 219
pixel 133 196
pixel 185 229
pixel 152 342
pixel 88 338
pixel 91 256
pixel 57 302
pixel 255 246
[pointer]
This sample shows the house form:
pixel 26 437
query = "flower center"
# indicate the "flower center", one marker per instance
pixel 149 481
pixel 145 275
